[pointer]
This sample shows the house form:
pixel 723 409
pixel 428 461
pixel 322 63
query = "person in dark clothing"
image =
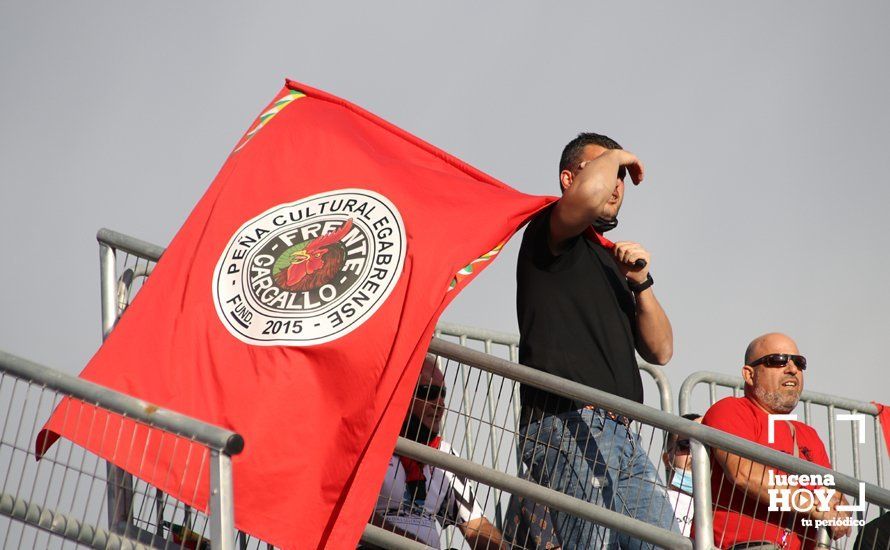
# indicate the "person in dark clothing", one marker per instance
pixel 585 307
pixel 875 535
pixel 417 500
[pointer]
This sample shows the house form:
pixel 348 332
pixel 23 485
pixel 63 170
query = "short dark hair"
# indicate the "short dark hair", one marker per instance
pixel 571 154
pixel 671 438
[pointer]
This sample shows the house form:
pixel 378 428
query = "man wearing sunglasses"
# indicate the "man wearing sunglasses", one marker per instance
pixel 773 374
pixel 586 306
pixel 417 500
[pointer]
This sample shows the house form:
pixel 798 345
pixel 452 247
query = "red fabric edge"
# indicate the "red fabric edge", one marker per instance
pixel 426 146
pixel 884 419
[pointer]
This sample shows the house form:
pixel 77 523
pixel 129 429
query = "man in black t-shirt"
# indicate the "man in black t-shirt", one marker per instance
pixel 585 307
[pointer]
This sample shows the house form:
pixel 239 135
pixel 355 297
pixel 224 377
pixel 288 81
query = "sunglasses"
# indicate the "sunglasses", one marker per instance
pixel 430 393
pixel 780 360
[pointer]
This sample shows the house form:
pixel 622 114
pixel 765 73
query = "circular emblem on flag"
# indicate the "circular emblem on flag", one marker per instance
pixel 310 271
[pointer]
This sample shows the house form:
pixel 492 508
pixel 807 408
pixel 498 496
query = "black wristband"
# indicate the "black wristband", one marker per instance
pixel 637 288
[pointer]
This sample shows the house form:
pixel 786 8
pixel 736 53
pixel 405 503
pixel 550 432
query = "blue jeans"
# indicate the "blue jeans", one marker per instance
pixel 587 455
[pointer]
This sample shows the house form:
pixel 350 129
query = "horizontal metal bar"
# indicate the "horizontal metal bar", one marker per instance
pixel 144 536
pixel 512 339
pixel 676 424
pixel 737 381
pixel 64 526
pixel 214 437
pixel 542 495
pixel 476 333
pixel 119 241
pixel 387 539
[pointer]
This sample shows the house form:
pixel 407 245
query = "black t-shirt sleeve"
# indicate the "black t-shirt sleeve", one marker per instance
pixel 537 236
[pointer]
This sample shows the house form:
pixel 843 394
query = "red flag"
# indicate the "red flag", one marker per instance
pixel 884 418
pixel 294 307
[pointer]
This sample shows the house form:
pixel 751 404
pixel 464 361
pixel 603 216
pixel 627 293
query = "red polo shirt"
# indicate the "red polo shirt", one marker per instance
pixel 739 519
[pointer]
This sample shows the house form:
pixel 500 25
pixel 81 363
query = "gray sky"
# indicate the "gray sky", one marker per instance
pixel 763 126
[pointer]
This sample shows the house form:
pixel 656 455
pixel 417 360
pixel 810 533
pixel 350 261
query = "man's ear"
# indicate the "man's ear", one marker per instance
pixel 748 374
pixel 565 179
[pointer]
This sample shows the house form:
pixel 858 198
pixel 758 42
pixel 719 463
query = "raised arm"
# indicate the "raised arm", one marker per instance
pixel 586 190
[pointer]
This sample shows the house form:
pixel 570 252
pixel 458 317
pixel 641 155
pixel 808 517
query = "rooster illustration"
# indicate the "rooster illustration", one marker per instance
pixel 316 263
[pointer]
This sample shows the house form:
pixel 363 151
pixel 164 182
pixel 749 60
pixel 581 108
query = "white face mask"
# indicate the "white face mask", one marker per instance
pixel 682 480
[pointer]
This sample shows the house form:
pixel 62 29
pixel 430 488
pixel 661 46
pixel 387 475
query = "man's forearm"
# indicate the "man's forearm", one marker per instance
pixel 750 477
pixel 655 334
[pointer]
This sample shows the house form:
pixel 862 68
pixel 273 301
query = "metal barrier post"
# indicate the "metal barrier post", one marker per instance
pixel 222 512
pixel 107 280
pixel 120 483
pixel 663 384
pixel 703 516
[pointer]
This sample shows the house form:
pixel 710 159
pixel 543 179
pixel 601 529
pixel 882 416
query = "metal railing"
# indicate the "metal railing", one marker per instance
pixel 506 345
pixel 482 417
pixel 61 495
pixel 494 482
pixel 699 435
pixel 827 420
pixel 119 282
pixel 492 340
pixel 126 261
